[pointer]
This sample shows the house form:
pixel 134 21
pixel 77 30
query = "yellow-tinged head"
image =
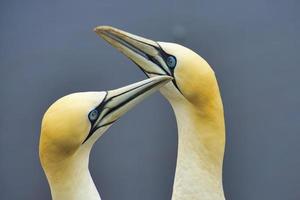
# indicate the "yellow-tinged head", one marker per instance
pixel 66 124
pixel 77 120
pixel 193 79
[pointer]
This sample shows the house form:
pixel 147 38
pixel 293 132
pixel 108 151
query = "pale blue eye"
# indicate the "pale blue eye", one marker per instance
pixel 171 61
pixel 93 115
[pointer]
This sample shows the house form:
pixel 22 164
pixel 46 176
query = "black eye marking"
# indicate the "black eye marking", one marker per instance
pixel 171 61
pixel 93 115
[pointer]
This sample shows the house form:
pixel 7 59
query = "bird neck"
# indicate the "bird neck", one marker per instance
pixel 71 179
pixel 201 142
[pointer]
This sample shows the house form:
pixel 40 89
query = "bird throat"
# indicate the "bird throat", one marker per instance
pixel 71 179
pixel 201 142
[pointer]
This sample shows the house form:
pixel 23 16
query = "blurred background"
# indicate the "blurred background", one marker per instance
pixel 48 50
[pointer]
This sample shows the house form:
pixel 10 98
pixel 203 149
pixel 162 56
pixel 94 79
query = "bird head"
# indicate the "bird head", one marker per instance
pixel 193 78
pixel 77 120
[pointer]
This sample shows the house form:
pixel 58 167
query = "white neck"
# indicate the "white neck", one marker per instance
pixel 71 179
pixel 201 144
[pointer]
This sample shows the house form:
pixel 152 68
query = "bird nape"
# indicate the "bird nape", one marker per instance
pixel 72 125
pixel 196 100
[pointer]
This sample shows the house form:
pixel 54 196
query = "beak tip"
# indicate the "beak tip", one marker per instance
pixel 169 78
pixel 101 29
pixel 164 78
pixel 98 29
pixel 95 29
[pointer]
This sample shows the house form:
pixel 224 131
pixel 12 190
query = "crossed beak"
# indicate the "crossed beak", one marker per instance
pixel 117 102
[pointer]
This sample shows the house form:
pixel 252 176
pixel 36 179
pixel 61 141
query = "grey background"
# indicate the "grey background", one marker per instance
pixel 48 50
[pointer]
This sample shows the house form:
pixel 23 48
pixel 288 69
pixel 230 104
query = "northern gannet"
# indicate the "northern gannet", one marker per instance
pixel 72 125
pixel 195 98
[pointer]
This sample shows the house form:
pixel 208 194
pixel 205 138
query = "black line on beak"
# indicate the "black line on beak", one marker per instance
pixel 101 106
pixel 139 51
pixel 162 53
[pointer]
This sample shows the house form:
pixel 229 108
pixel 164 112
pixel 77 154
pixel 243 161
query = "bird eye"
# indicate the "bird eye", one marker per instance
pixel 171 61
pixel 93 115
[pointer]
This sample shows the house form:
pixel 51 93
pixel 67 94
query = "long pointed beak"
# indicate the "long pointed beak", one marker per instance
pixel 145 53
pixel 117 102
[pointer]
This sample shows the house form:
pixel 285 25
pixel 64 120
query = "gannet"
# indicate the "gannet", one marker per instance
pixel 72 125
pixel 195 98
